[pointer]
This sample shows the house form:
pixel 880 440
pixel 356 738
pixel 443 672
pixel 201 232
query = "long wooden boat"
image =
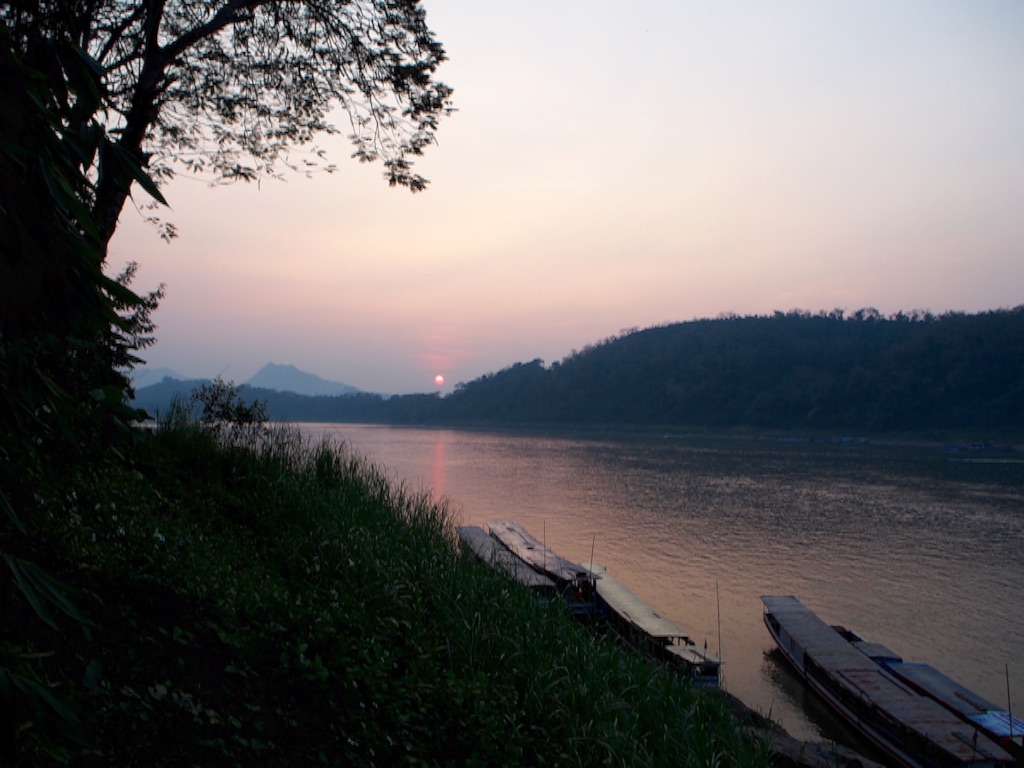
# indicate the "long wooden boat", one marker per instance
pixel 639 624
pixel 574 582
pixel 487 549
pixel 998 724
pixel 912 729
pixel 995 722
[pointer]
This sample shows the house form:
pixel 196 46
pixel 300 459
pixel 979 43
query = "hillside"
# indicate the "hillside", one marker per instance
pixel 243 597
pixel 796 370
pixel 860 373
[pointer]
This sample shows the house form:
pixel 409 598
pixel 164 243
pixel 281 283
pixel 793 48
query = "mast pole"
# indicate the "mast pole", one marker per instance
pixel 718 607
pixel 1009 706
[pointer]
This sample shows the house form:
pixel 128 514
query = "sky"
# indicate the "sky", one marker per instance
pixel 615 166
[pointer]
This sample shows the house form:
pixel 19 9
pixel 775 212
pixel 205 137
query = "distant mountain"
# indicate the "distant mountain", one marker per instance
pixel 288 378
pixel 155 399
pixel 276 385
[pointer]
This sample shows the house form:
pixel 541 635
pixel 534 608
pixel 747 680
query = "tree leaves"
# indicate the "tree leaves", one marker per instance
pixel 66 329
pixel 42 591
pixel 231 87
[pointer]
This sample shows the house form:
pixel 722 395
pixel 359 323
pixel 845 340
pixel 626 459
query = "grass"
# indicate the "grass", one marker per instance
pixel 255 599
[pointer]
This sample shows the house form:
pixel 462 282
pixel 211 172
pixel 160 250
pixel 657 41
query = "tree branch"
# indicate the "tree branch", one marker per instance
pixel 227 15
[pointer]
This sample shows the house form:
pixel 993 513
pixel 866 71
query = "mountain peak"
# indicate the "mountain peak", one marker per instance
pixel 288 378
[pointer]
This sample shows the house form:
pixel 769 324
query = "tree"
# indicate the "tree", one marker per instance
pixel 66 332
pixel 230 87
pixel 93 93
pixel 219 406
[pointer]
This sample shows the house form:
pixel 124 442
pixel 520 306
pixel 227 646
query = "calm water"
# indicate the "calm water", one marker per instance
pixel 901 544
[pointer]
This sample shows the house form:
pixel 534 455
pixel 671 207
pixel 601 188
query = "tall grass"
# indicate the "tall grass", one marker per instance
pixel 262 599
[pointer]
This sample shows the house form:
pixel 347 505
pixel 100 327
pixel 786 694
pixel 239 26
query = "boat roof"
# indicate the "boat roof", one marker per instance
pixel 821 641
pixel 632 608
pixel 928 678
pixel 691 654
pixel 872 682
pixel 877 652
pixel 1002 724
pixel 535 554
pixel 960 699
pixel 491 552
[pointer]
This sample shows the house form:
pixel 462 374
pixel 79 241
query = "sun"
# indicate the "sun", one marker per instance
pixel 439 380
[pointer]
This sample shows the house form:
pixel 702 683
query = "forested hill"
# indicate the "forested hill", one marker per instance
pixel 795 370
pixel 857 373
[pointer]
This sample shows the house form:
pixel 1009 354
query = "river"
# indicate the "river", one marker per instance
pixel 911 546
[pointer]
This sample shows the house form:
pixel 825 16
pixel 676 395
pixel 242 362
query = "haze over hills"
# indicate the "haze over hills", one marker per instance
pixel 274 376
pixel 859 373
pixel 156 388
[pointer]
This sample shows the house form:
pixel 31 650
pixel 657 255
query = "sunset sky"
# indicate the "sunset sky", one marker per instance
pixel 614 166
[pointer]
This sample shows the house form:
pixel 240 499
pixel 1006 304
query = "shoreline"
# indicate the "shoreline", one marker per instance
pixel 789 752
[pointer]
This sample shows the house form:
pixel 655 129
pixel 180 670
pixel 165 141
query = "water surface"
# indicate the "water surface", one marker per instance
pixel 910 546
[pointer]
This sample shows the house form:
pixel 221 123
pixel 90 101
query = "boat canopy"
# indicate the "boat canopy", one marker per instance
pixel 487 549
pixel 633 609
pixel 693 655
pixel 1002 724
pixel 535 554
pixel 957 697
pixel 877 652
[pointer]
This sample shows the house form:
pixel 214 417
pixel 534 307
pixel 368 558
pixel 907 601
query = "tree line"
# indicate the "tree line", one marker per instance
pixel 859 372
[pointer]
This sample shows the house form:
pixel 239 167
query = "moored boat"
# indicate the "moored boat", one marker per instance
pixel 574 582
pixel 657 636
pixel 487 549
pixel 998 724
pixel 995 722
pixel 912 729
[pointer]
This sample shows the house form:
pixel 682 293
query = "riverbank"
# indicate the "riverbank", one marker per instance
pixel 789 752
pixel 682 521
pixel 260 600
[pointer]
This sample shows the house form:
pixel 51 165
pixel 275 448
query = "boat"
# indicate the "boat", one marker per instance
pixel 998 724
pixel 911 729
pixel 995 722
pixel 655 635
pixel 573 582
pixel 487 549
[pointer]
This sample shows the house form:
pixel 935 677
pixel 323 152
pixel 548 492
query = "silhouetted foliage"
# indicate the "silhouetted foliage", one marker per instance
pixel 230 87
pixel 91 96
pixel 219 406
pixel 67 332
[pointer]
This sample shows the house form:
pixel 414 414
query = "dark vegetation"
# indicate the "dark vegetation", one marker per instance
pixel 210 592
pixel 862 373
pixel 247 598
